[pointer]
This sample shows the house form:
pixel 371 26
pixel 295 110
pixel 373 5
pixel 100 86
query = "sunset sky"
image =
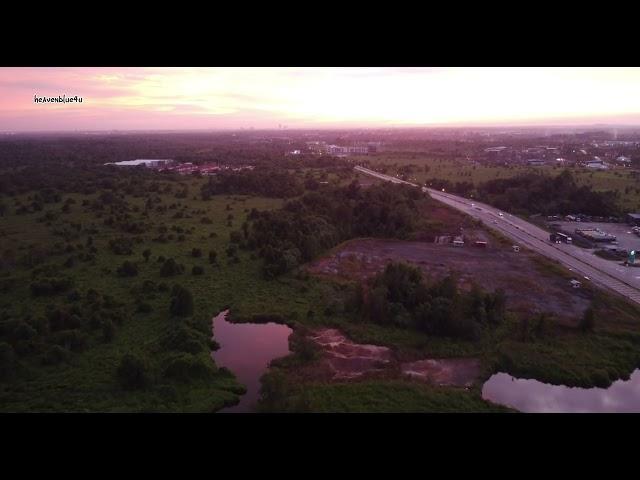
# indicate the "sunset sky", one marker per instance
pixel 233 98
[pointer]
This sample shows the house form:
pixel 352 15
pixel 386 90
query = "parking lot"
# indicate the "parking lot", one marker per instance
pixel 626 239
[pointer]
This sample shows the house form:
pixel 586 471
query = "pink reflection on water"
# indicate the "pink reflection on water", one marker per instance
pixel 536 397
pixel 247 349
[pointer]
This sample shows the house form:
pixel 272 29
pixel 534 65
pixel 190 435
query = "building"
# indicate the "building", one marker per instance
pixel 596 165
pixel 633 219
pixel 146 162
pixel 535 162
pixel 458 242
pixel 623 159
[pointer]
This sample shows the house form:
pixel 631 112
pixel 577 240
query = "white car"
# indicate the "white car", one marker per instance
pixel 501 214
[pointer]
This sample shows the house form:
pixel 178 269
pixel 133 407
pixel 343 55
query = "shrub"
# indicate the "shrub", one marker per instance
pixel 144 307
pixel 7 360
pixel 181 302
pixel 133 372
pixel 171 268
pixel 108 331
pixel 50 285
pixel 196 253
pixel 182 338
pixel 55 354
pixel 128 269
pixel 588 321
pixel 74 340
pixel 186 367
pixel 197 270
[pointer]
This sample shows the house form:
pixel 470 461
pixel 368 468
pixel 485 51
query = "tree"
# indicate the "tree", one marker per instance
pixel 128 269
pixel 146 254
pixel 133 372
pixel 588 321
pixel 181 302
pixel 213 255
pixel 170 268
pixel 197 270
pixel 7 360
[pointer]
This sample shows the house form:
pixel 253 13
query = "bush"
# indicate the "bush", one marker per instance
pixel 50 285
pixel 24 331
pixel 182 338
pixel 197 270
pixel 186 367
pixel 181 302
pixel 196 253
pixel 128 269
pixel 108 331
pixel 170 268
pixel 7 360
pixel 133 372
pixel 144 307
pixel 588 321
pixel 74 340
pixel 55 354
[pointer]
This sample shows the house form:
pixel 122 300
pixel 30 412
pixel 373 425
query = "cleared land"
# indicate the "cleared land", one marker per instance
pixel 528 286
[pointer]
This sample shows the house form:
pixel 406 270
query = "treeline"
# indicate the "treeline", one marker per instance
pixel 267 183
pixel 400 296
pixel 306 227
pixel 532 193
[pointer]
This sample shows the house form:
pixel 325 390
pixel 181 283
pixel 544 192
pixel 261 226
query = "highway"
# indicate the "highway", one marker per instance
pixel 587 266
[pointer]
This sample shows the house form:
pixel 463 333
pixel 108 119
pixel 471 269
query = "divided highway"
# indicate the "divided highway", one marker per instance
pixel 605 273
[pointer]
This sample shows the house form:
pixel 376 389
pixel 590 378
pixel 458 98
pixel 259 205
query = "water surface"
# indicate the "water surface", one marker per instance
pixel 246 349
pixel 623 396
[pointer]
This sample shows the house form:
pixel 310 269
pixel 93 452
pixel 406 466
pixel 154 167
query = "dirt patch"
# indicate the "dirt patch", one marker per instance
pixel 528 288
pixel 347 359
pixel 460 372
pixel 343 359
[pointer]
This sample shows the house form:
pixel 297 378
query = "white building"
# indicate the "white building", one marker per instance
pixel 147 162
pixel 596 165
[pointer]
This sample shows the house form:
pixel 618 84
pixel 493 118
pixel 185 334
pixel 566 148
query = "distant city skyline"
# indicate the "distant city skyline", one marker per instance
pixel 269 98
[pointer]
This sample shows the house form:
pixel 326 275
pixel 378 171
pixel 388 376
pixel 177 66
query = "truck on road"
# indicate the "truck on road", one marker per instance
pixel 559 237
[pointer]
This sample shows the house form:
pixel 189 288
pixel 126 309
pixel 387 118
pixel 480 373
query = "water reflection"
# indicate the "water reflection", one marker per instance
pixel 534 396
pixel 246 349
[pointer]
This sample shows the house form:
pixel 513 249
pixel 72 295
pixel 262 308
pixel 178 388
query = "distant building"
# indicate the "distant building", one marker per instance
pixel 536 162
pixel 151 163
pixel 596 165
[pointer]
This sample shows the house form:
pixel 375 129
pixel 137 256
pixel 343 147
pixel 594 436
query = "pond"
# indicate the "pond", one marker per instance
pixel 532 396
pixel 247 349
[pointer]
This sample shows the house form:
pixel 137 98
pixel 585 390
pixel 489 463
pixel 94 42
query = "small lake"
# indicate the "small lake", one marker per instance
pixel 532 396
pixel 247 349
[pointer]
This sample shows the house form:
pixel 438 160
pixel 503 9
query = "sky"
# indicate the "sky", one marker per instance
pixel 174 98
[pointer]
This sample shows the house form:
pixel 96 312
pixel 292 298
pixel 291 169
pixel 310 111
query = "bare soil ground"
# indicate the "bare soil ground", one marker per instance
pixel 344 360
pixel 528 287
pixel 459 372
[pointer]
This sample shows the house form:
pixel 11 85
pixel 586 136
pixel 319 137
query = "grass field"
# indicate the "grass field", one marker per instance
pixel 87 381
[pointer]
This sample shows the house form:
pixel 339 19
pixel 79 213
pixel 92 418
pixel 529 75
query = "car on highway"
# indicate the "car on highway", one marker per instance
pixel 501 214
